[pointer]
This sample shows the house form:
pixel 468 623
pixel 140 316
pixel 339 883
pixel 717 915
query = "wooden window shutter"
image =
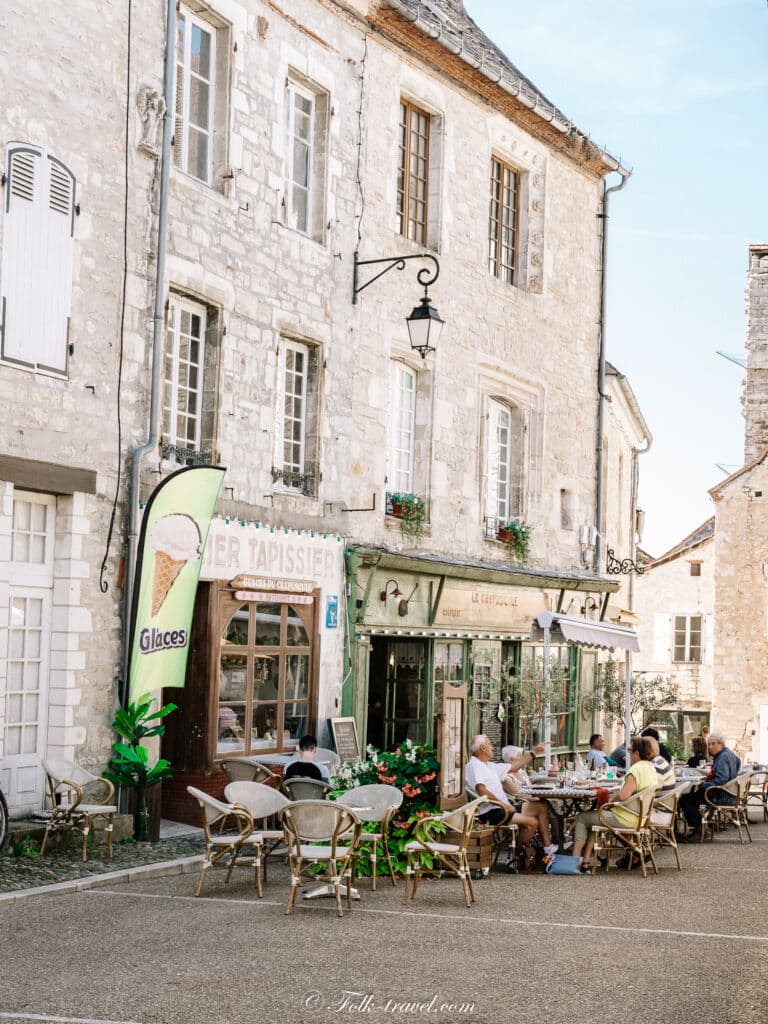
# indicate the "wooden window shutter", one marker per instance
pixel 36 266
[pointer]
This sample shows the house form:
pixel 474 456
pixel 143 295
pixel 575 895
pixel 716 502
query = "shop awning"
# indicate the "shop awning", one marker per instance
pixel 583 632
pixel 485 572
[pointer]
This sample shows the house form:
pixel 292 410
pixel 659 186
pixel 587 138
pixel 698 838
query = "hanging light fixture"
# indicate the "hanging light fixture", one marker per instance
pixel 425 323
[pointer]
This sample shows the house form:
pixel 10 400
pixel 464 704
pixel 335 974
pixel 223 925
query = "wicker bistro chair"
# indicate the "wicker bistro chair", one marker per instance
pixel 222 849
pixel 320 832
pixel 505 833
pixel 74 807
pixel 377 803
pixel 634 841
pixel 238 770
pixel 264 804
pixel 452 856
pixel 663 820
pixel 715 816
pixel 758 793
pixel 299 788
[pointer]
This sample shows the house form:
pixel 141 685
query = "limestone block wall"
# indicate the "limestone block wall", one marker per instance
pixel 741 608
pixel 536 344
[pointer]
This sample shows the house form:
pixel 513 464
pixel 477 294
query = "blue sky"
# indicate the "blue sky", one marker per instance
pixel 679 90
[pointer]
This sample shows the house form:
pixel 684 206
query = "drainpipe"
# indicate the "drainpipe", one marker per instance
pixel 603 215
pixel 158 324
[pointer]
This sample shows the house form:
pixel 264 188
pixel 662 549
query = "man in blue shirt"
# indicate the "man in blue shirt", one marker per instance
pixel 725 766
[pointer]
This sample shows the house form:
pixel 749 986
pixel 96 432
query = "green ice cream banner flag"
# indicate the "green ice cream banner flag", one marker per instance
pixel 171 545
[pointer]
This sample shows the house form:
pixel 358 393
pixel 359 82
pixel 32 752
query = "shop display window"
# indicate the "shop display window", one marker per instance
pixel 265 673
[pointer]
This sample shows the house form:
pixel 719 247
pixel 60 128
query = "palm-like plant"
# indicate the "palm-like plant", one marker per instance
pixel 129 765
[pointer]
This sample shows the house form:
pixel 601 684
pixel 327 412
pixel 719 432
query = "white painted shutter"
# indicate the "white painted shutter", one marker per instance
pixel 707 639
pixel 36 267
pixel 662 639
pixel 492 460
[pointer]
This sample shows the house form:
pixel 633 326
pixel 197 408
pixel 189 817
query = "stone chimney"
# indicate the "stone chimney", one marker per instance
pixel 755 395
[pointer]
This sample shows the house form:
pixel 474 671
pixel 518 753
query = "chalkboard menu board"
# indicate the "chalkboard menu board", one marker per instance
pixel 345 737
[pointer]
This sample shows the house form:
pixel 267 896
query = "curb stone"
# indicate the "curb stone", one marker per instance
pixel 179 866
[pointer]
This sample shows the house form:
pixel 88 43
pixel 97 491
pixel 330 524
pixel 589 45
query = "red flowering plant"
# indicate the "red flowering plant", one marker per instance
pixel 413 769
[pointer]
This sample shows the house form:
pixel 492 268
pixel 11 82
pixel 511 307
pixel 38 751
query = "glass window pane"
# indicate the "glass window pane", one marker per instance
pixel 198 163
pixel 12 741
pixel 297 634
pixel 231 728
pixel 199 99
pixel 233 677
pixel 266 677
pixel 300 209
pixel 200 56
pixel 295 721
pixel 29 740
pixel 267 625
pixel 264 731
pixel 236 630
pixel 296 676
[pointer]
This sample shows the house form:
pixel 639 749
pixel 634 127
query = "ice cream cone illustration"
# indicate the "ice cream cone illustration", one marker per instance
pixel 176 541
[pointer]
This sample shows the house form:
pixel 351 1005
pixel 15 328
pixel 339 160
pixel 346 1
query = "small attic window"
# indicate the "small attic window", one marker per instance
pixel 695 568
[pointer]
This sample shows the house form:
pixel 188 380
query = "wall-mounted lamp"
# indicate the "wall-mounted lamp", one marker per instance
pixel 425 323
pixel 590 605
pixel 396 592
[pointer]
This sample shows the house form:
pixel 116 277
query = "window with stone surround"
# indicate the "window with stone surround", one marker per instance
pixel 687 639
pixel 504 463
pixel 199 139
pixel 306 135
pixel 413 173
pixel 296 466
pixel 36 266
pixel 403 430
pixel 503 220
pixel 189 386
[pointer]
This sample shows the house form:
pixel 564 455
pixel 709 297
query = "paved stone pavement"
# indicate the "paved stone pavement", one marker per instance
pixel 677 948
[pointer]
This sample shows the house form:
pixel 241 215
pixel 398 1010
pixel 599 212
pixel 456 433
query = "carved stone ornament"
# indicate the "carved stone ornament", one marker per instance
pixel 151 106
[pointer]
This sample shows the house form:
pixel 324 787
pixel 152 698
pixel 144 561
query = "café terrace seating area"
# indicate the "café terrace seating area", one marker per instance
pixel 337 838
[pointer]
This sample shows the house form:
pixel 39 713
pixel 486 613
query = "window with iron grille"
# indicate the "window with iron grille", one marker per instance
pixel 296 466
pixel 403 429
pixel 695 568
pixel 687 638
pixel 413 173
pixel 502 222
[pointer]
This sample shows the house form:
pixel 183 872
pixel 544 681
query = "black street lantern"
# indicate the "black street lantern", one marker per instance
pixel 424 327
pixel 425 323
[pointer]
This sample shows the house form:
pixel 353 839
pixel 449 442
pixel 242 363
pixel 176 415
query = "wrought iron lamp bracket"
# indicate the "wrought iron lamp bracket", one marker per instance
pixel 621 566
pixel 426 276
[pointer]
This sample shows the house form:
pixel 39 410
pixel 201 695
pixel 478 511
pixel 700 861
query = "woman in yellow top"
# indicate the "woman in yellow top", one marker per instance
pixel 640 776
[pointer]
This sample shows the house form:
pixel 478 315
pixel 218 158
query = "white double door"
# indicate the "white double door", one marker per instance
pixel 29 644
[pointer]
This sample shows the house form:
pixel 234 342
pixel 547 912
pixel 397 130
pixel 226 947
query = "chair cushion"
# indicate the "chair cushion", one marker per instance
pixel 97 808
pixel 254 839
pixel 323 852
pixel 663 818
pixel 371 837
pixel 415 847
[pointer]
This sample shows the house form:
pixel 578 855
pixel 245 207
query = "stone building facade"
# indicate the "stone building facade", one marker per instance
pixel 675 605
pixel 300 139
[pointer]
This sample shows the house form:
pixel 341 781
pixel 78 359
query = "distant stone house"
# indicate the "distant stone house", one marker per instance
pixel 675 605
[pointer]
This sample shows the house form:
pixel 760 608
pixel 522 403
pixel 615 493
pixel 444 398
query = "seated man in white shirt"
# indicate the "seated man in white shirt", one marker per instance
pixel 486 777
pixel 665 772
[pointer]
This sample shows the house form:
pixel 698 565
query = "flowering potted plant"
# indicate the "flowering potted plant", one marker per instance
pixel 517 537
pixel 413 768
pixel 411 510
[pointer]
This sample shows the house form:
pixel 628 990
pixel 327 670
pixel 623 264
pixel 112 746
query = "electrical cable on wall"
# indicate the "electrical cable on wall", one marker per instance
pixel 103 585
pixel 360 144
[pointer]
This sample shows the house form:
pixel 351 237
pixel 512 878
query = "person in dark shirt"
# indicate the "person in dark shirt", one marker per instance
pixel 725 766
pixel 304 767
